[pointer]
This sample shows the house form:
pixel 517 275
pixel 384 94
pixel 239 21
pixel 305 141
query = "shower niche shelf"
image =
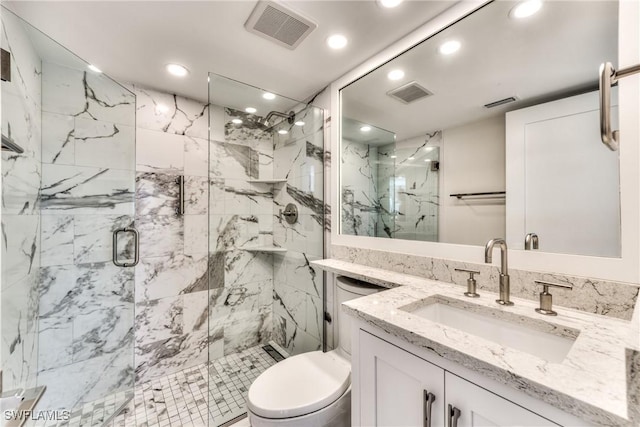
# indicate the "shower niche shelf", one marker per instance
pixel 268 181
pixel 268 249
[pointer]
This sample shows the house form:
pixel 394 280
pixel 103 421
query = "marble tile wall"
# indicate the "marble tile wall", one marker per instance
pixel 300 157
pixel 409 183
pixel 595 296
pixel 85 307
pixel 171 280
pixel 20 220
pixel 241 282
pixel 361 200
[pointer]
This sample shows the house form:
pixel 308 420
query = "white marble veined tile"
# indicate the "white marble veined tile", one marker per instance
pixel 314 317
pixel 160 235
pixel 70 386
pixel 106 330
pixel 288 160
pixel 196 195
pixel 55 336
pixel 196 311
pixel 227 232
pixel 85 94
pixel 103 144
pixel 93 238
pixel 56 240
pixel 57 139
pixel 159 152
pixel 216 196
pixel 156 193
pixel 251 132
pixel 20 250
pixel 243 332
pixel 294 269
pixel 217 158
pixel 166 276
pixel 290 303
pixel 216 122
pixel 195 234
pixel 86 190
pixel 159 319
pixel 239 162
pixel 246 267
pixel 162 357
pixel 171 113
pixel 20 184
pixel 196 152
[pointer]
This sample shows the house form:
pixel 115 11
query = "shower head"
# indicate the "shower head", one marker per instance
pixel 291 117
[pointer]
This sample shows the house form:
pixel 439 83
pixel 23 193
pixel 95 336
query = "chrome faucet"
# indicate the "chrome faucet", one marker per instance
pixel 504 271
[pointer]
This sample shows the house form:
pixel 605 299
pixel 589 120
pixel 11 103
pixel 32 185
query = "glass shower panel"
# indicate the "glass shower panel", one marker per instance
pixel 67 309
pixel 266 223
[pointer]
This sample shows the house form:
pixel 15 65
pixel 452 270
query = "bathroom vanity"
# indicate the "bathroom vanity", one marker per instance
pixel 424 354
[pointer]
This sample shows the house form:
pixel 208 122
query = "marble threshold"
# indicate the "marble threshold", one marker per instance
pixel 594 382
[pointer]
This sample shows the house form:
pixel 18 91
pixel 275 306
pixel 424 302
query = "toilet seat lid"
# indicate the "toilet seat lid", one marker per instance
pixel 299 385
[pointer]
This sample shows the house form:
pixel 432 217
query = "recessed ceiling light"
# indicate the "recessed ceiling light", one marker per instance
pixel 365 128
pixel 389 3
pixel 268 95
pixel 283 131
pixel 412 158
pixel 427 160
pixel 393 157
pixel 177 70
pixel 250 110
pixel 449 47
pixel 299 123
pixel 427 149
pixel 94 68
pixel 236 121
pixel 162 108
pixel 525 9
pixel 337 41
pixel 395 75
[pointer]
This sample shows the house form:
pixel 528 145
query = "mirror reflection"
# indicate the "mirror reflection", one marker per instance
pixel 488 129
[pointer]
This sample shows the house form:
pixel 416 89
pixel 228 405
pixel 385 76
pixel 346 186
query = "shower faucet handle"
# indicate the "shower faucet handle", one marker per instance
pixel 471 282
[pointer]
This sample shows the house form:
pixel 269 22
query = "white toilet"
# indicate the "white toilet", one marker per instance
pixel 311 389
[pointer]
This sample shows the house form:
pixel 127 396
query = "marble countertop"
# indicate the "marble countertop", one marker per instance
pixel 590 383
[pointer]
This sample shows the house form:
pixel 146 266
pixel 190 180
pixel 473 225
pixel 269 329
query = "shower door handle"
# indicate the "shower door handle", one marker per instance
pixel 136 246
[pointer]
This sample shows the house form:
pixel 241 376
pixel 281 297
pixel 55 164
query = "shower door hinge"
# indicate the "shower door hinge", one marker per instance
pixel 5 65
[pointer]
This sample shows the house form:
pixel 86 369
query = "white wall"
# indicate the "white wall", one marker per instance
pixel 472 160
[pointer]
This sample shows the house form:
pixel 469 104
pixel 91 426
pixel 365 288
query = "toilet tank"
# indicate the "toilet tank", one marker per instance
pixel 348 289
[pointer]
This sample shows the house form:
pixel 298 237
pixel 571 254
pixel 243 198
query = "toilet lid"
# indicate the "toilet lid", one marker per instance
pixel 299 385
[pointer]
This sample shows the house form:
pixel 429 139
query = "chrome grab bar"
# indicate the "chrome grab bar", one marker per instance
pixel 136 244
pixel 609 77
pixel 180 208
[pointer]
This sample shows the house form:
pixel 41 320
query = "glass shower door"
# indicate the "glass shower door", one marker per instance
pixel 67 293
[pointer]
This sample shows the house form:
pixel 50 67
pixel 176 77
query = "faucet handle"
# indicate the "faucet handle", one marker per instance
pixel 471 282
pixel 546 299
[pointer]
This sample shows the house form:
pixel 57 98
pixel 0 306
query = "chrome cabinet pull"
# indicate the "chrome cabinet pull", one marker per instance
pixel 608 77
pixel 180 207
pixel 136 244
pixel 531 241
pixel 453 415
pixel 428 399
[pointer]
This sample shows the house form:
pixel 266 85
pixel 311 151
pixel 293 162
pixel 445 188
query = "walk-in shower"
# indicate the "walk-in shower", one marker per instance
pixel 150 270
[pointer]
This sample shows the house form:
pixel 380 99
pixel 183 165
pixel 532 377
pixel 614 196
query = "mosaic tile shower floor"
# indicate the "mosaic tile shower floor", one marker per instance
pixel 184 398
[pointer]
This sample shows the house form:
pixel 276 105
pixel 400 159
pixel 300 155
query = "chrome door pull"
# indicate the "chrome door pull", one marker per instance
pixel 427 402
pixel 180 207
pixel 608 77
pixel 453 415
pixel 136 244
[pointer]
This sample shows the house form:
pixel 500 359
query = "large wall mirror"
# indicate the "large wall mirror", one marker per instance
pixel 489 128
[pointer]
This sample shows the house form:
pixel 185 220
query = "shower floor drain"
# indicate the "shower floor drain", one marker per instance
pixel 273 352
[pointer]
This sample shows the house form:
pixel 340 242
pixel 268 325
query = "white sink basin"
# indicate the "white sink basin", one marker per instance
pixel 508 333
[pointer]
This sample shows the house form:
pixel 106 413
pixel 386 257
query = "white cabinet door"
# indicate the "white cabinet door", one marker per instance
pixel 395 385
pixel 481 408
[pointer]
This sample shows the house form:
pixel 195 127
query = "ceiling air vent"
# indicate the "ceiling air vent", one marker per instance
pixel 275 22
pixel 501 102
pixel 409 93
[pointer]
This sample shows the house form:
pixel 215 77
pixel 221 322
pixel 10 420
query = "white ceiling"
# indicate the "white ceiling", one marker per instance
pixel 552 54
pixel 132 41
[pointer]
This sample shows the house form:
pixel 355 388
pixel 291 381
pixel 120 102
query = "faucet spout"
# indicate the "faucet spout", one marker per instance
pixel 505 290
